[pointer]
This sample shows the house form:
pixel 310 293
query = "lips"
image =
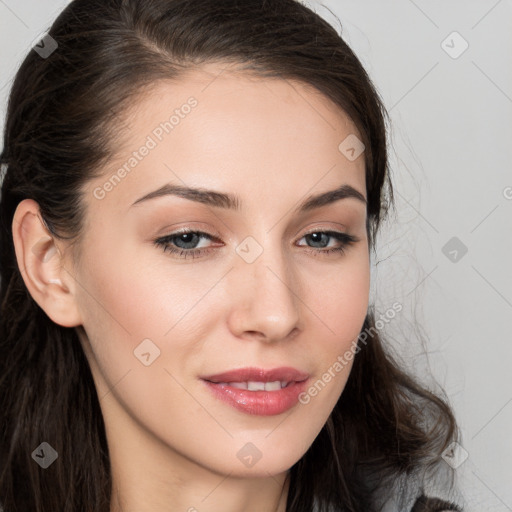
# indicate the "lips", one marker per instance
pixel 258 391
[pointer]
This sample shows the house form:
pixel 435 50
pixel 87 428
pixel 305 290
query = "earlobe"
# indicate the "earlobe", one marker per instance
pixel 41 264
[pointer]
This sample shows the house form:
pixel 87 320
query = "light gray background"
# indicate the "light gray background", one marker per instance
pixel 451 154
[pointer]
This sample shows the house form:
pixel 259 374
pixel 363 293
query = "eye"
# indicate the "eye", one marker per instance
pixel 185 243
pixel 321 240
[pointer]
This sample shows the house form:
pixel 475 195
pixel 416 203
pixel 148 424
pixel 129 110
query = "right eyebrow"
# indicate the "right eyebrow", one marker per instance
pixel 201 195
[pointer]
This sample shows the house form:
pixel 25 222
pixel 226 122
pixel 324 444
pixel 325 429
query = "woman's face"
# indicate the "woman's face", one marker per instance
pixel 264 284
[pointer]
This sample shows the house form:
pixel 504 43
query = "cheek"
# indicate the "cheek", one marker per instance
pixel 130 309
pixel 341 298
pixel 135 298
pixel 341 305
pixel 127 300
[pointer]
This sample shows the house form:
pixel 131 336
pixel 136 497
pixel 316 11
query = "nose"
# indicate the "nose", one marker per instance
pixel 266 301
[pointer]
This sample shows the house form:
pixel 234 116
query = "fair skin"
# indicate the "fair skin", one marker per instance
pixel 274 143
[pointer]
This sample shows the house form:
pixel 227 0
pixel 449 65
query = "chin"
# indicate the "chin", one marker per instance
pixel 269 457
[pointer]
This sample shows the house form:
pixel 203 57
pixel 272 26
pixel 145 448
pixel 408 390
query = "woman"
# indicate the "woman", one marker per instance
pixel 191 194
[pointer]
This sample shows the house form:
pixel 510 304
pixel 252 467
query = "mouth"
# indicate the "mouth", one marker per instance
pixel 257 391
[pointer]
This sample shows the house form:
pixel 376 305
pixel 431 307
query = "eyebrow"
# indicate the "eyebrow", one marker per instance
pixel 232 202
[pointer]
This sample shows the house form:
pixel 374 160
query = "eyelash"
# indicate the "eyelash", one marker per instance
pixel 165 243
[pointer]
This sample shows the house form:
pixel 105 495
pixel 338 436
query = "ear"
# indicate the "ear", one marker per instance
pixel 41 263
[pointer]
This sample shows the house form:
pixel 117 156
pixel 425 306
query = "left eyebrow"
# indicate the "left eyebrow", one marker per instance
pixel 331 196
pixel 230 201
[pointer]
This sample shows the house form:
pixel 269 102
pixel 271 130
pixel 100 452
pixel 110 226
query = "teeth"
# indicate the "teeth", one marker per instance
pixel 238 385
pixel 272 386
pixel 259 386
pixel 255 386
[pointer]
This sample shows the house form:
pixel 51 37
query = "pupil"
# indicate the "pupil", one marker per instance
pixel 317 238
pixel 187 238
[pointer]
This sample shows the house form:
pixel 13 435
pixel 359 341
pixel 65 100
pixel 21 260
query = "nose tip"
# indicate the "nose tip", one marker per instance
pixel 265 305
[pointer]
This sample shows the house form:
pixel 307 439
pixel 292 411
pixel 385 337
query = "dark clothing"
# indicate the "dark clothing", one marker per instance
pixel 424 504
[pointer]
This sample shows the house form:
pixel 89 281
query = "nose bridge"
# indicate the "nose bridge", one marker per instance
pixel 268 304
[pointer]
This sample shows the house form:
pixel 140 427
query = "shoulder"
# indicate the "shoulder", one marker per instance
pixel 424 504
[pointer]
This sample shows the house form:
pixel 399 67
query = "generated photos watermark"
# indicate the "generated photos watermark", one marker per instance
pixel 152 140
pixel 343 360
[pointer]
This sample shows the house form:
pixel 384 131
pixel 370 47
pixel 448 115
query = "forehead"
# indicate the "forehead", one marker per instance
pixel 232 129
pixel 224 89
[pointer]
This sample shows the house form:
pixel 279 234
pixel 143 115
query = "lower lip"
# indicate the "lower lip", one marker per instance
pixel 261 403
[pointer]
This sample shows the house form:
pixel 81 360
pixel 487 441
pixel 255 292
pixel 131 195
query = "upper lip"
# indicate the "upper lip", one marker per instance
pixel 282 374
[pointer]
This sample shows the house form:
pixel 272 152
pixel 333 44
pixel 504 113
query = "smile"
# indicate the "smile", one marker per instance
pixel 257 391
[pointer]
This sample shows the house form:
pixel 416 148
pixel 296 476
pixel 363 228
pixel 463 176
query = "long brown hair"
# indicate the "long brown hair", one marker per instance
pixel 59 132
